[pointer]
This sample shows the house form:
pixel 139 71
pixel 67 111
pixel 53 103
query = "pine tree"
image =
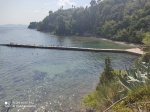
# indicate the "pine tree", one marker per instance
pixel 107 74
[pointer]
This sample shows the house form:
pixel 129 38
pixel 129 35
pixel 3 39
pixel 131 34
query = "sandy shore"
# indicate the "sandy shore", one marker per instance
pixel 122 43
pixel 135 50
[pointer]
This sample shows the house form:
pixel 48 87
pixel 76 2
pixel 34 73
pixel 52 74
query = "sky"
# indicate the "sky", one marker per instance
pixel 26 11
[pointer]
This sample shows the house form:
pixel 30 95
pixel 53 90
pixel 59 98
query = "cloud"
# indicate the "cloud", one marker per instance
pixel 66 3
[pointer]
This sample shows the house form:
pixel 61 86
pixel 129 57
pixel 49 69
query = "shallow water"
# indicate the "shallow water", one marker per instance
pixel 52 80
pixel 22 35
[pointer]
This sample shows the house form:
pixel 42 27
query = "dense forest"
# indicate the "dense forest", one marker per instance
pixel 122 20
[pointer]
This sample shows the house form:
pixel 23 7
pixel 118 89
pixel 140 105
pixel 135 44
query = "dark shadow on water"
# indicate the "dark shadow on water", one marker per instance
pixel 2 92
pixel 17 79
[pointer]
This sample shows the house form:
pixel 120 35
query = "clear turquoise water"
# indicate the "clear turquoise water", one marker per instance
pixel 54 80
pixel 26 36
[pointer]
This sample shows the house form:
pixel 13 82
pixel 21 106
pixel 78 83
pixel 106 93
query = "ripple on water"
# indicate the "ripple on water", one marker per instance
pixel 62 86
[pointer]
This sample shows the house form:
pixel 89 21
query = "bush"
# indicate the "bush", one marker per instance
pixel 139 94
pixel 134 84
pixel 133 100
pixel 104 96
pixel 145 57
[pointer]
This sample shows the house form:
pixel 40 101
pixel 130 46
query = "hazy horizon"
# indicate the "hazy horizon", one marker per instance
pixel 13 24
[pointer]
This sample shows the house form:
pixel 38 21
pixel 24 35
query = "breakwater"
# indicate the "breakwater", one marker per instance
pixel 129 51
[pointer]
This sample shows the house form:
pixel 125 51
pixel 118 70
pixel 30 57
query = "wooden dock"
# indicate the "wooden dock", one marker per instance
pixel 129 51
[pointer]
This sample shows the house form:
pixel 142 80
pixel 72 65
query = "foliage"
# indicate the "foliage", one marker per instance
pixel 124 20
pixel 104 96
pixel 145 57
pixel 136 77
pixel 106 92
pixel 146 39
pixel 90 100
pixel 139 94
pixel 33 25
pixel 108 73
pixel 134 99
pixel 146 48
pixel 134 88
pixel 138 84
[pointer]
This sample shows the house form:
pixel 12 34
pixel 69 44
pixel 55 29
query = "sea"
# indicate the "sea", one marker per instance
pixel 46 80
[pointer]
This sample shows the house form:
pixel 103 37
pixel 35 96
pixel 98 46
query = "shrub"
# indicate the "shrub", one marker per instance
pixel 134 97
pixel 104 96
pixel 108 73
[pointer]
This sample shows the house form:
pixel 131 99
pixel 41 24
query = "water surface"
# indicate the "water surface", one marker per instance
pixel 22 35
pixel 53 80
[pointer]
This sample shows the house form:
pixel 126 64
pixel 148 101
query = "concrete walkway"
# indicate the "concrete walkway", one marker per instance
pixel 135 51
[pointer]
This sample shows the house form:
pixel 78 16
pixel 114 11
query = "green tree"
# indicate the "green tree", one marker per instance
pixel 33 25
pixel 122 35
pixel 146 39
pixel 146 48
pixel 109 28
pixel 60 28
pixel 93 3
pixel 123 20
pixel 108 73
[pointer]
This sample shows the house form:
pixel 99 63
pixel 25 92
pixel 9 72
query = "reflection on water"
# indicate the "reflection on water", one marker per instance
pixel 53 80
pixel 28 36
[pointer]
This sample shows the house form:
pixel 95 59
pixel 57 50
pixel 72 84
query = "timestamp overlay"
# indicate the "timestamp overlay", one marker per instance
pixel 19 104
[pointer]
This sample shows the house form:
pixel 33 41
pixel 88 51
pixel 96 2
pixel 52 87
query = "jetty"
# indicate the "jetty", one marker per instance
pixel 135 51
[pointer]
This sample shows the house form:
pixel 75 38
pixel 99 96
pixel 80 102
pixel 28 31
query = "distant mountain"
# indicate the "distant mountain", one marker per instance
pixel 13 25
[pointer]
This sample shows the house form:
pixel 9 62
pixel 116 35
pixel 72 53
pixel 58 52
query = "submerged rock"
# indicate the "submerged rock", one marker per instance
pixel 2 92
pixel 38 75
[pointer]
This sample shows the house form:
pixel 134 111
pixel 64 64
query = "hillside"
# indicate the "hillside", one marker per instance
pixel 123 20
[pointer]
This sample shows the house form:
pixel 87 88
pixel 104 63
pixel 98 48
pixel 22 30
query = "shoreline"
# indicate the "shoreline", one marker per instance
pixel 120 42
pixel 108 40
pixel 136 47
pixel 96 37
